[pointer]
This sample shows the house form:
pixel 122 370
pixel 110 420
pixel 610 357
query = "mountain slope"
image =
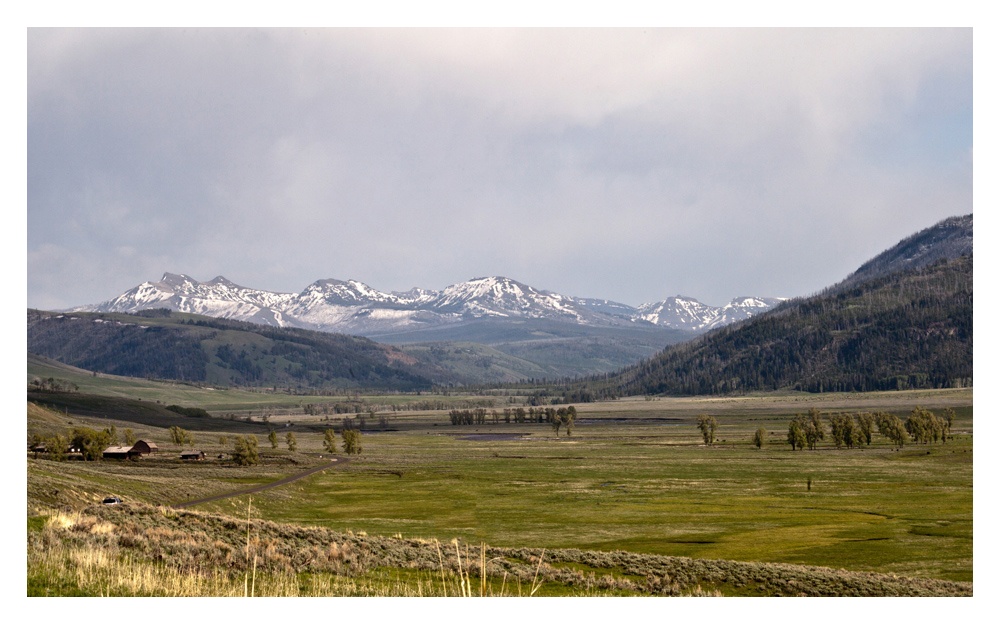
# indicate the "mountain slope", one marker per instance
pixel 947 239
pixel 903 320
pixel 911 329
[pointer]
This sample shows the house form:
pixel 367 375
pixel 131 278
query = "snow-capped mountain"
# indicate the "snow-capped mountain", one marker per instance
pixel 680 312
pixel 354 307
pixel 742 308
pixel 687 313
pixel 504 297
pixel 218 297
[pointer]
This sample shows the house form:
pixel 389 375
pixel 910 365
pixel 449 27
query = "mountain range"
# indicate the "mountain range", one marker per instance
pixel 353 307
pixel 902 320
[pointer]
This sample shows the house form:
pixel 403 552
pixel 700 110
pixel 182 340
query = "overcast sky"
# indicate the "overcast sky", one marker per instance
pixel 627 164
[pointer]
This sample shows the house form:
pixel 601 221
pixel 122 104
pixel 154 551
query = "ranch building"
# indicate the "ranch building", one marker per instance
pixel 145 447
pixel 120 452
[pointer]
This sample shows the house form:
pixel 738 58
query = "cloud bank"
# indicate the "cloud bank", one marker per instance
pixel 629 164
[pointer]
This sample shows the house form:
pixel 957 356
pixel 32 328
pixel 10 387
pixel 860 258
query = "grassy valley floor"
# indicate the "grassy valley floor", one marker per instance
pixel 633 495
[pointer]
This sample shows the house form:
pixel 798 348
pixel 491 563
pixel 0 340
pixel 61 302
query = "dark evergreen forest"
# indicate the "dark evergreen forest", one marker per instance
pixel 911 329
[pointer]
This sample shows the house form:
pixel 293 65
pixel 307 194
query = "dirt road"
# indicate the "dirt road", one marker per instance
pixel 340 461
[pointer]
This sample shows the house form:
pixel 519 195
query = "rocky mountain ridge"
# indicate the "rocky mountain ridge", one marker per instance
pixel 354 307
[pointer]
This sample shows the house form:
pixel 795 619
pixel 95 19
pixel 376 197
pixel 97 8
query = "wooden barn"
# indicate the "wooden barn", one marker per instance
pixel 145 447
pixel 193 455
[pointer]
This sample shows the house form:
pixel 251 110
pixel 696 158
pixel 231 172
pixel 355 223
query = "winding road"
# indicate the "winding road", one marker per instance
pixel 265 486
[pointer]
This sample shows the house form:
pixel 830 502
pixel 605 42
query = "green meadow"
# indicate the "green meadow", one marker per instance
pixel 642 481
pixel 634 479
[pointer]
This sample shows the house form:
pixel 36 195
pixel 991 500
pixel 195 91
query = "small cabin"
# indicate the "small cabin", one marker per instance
pixel 193 455
pixel 120 452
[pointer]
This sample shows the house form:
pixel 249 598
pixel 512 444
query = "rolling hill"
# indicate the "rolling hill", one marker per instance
pixel 166 345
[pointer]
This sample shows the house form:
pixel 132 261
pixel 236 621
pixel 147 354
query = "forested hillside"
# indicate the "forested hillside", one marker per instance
pixel 166 345
pixel 911 329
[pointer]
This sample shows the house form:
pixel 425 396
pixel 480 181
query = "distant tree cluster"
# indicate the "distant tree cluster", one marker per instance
pixel 475 416
pixel 51 384
pixel 352 441
pixel 193 412
pixel 518 415
pixel 853 431
pixel 89 443
pixel 556 417
pixel 330 441
pixel 926 427
pixel 707 426
pixel 845 431
pixel 181 436
pixel 806 431
pixel 245 451
pixel 890 426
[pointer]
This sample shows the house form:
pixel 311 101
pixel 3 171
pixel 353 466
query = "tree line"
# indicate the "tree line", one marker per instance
pixel 562 417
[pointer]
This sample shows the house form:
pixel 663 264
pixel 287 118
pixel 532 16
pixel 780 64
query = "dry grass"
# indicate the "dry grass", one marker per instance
pixel 137 550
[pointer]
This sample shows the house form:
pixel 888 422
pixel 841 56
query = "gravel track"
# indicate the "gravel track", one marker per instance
pixel 266 486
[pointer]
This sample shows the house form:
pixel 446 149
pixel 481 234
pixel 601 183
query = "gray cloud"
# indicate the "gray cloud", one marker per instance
pixel 626 164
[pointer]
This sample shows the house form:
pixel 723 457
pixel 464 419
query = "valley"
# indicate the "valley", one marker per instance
pixel 634 476
pixel 372 469
pixel 344 310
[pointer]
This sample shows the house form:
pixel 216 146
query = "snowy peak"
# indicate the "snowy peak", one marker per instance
pixel 680 312
pixel 689 313
pixel 219 298
pixel 177 281
pixel 349 293
pixel 417 296
pixel 742 308
pixel 502 296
